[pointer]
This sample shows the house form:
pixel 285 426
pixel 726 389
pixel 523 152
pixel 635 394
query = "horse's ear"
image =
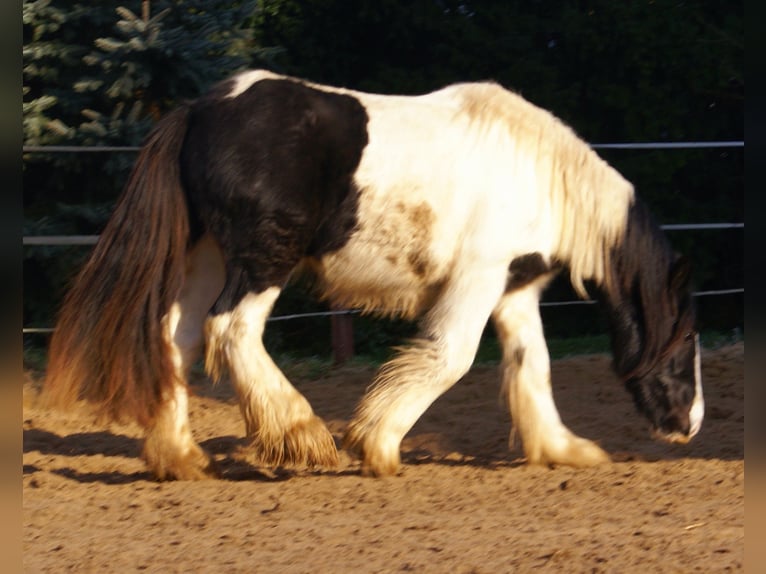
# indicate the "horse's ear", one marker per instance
pixel 680 273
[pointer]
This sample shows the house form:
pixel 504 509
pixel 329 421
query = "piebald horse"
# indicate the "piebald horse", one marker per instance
pixel 453 207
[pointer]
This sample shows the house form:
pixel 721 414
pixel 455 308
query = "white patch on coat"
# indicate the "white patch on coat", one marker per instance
pixel 697 412
pixel 244 80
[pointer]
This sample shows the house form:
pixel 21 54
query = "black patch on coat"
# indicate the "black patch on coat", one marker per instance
pixel 524 269
pixel 269 174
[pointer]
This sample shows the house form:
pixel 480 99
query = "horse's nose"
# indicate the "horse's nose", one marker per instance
pixel 674 428
pixel 676 422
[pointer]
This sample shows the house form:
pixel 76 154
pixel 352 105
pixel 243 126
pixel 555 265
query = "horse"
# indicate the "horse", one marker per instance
pixel 454 207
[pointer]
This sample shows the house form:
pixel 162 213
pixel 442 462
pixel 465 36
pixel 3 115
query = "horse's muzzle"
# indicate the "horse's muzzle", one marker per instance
pixel 674 437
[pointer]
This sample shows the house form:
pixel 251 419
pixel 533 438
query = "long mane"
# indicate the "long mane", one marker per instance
pixel 648 296
pixel 602 232
pixel 587 198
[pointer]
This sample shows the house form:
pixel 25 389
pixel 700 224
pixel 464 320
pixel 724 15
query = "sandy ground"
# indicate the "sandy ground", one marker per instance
pixel 463 502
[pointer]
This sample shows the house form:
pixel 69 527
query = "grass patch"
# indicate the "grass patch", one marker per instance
pixel 717 339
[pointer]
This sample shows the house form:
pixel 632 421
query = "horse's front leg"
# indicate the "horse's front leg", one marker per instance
pixel 278 419
pixel 407 385
pixel 527 385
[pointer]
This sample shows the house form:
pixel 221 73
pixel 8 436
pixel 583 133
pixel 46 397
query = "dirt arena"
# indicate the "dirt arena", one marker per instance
pixel 462 502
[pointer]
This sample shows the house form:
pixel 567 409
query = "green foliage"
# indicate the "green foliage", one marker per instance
pixel 99 74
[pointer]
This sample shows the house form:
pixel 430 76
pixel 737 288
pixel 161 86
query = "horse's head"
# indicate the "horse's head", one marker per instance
pixel 657 351
pixel 670 394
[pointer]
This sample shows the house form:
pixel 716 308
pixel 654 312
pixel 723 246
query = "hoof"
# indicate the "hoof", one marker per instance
pixel 307 444
pixel 193 465
pixel 377 467
pixel 376 461
pixel 576 451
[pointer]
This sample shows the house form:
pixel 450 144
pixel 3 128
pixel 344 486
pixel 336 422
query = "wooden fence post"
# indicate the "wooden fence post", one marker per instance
pixel 342 335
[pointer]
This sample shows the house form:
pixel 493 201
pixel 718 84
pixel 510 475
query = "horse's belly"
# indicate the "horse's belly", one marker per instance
pixel 386 268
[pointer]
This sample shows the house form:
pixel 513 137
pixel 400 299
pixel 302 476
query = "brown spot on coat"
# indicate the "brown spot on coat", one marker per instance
pixel 420 218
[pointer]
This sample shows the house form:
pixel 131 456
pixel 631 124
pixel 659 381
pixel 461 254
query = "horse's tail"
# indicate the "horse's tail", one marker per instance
pixel 109 346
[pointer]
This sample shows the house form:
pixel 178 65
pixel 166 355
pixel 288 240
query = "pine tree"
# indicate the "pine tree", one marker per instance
pixel 98 75
pixel 101 76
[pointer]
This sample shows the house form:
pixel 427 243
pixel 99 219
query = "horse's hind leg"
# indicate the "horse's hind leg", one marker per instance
pixel 170 451
pixel 527 385
pixel 278 419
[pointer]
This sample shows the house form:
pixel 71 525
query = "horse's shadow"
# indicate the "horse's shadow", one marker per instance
pixel 225 449
pixel 231 465
pixel 81 444
pixel 229 453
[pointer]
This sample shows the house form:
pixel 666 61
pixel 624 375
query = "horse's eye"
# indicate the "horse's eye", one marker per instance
pixel 689 336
